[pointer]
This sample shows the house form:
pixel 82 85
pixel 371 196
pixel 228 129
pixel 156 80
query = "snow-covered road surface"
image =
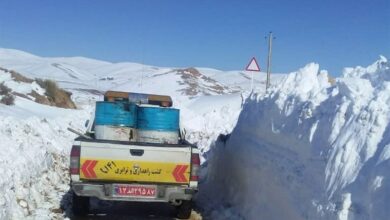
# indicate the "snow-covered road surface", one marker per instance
pixel 102 210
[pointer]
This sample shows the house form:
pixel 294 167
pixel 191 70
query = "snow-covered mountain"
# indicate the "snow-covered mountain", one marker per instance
pixel 85 73
pixel 307 149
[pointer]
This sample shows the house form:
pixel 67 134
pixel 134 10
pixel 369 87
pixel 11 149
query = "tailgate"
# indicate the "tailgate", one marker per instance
pixel 135 162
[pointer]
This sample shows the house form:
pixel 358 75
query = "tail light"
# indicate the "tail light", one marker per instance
pixel 195 162
pixel 75 160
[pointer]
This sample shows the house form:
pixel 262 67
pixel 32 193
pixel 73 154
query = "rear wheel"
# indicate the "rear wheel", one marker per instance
pixel 184 210
pixel 80 205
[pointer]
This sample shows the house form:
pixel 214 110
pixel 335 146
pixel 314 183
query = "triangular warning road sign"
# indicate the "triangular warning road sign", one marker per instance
pixel 253 66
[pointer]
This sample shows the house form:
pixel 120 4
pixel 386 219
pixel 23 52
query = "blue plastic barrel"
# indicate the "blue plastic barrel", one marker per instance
pixel 159 119
pixel 116 113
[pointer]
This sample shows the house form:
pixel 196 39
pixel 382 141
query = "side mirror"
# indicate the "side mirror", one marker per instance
pixel 86 123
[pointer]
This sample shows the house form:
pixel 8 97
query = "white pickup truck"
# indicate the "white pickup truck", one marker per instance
pixel 133 171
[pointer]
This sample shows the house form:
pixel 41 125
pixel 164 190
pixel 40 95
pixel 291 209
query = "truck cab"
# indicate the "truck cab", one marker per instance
pixel 142 160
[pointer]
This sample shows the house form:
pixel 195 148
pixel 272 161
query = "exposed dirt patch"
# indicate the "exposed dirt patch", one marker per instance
pixel 19 77
pixel 4 69
pixel 6 97
pixel 22 95
pixel 53 96
pixel 199 84
pixel 161 74
pixel 40 98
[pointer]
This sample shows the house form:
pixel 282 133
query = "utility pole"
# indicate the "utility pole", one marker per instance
pixel 270 38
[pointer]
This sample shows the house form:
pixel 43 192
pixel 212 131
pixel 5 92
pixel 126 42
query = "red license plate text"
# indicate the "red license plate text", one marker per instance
pixel 135 191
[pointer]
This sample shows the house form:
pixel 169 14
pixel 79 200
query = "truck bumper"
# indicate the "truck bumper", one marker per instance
pixel 104 191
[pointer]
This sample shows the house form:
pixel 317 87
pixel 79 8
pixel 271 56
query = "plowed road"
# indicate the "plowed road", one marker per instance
pixel 130 211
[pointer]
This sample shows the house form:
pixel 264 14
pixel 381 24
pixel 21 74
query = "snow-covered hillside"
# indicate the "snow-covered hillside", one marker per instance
pixel 36 144
pixel 85 73
pixel 191 88
pixel 307 150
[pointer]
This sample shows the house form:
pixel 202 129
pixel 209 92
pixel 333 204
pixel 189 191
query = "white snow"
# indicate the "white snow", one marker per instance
pixel 35 143
pixel 307 150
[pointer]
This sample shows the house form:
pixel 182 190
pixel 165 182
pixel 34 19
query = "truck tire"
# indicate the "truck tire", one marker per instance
pixel 184 210
pixel 80 205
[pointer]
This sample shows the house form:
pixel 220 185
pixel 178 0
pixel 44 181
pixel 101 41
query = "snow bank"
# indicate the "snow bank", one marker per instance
pixel 307 150
pixel 204 118
pixel 34 153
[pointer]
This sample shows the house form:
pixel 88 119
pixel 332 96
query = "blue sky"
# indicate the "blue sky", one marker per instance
pixel 222 34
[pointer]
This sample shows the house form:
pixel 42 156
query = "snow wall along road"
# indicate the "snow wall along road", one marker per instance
pixel 307 150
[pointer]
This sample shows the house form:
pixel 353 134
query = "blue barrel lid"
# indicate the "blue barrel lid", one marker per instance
pixel 156 118
pixel 116 113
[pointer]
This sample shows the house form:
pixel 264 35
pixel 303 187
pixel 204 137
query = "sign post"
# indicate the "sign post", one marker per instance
pixel 253 66
pixel 270 38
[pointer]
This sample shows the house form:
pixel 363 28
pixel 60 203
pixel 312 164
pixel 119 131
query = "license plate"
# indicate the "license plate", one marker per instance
pixel 139 191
